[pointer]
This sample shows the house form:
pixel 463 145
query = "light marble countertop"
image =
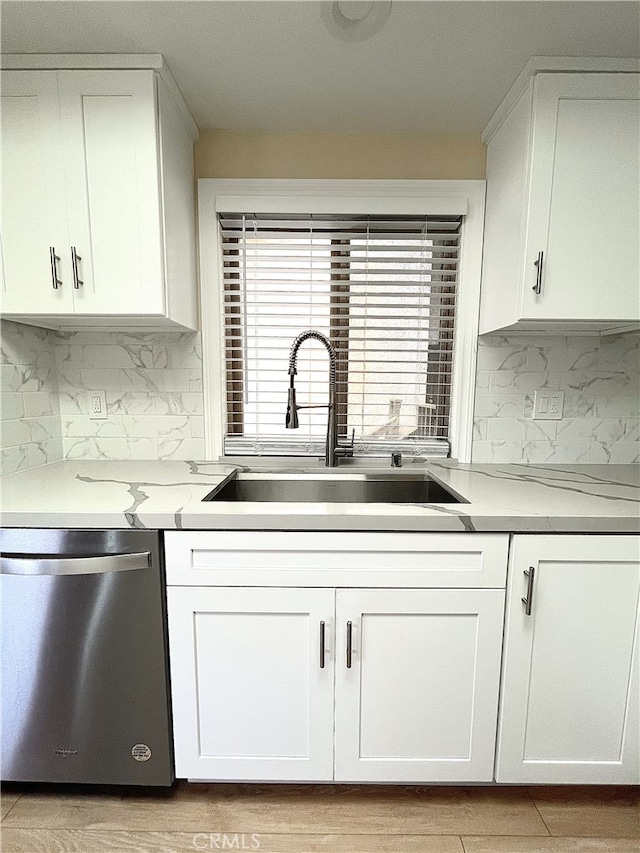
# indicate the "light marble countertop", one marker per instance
pixel 168 495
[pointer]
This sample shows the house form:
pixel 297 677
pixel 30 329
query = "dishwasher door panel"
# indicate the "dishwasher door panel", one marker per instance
pixel 84 674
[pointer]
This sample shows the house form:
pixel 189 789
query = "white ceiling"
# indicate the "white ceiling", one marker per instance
pixel 273 65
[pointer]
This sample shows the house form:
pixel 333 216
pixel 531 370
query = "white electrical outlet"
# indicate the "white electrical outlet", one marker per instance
pixel 97 405
pixel 548 405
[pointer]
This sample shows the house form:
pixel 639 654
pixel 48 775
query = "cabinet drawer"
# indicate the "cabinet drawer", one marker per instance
pixel 311 559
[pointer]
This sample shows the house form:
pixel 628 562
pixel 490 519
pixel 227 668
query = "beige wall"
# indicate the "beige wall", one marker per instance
pixel 393 156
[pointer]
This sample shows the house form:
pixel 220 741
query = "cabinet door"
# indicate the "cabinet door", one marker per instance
pixel 34 225
pixel 419 702
pixel 109 124
pixel 584 201
pixel 250 698
pixel 569 706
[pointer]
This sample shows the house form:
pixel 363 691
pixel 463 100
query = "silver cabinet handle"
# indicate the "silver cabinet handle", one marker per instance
pixel 537 287
pixel 46 565
pixel 349 643
pixel 322 632
pixel 75 257
pixel 528 601
pixel 54 269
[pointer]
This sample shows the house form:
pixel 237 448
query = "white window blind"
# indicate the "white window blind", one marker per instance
pixel 382 289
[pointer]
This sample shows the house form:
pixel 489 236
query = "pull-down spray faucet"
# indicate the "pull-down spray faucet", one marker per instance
pixel 333 449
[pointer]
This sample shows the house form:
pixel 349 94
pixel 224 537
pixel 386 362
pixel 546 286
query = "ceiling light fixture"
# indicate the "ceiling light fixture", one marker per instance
pixel 355 20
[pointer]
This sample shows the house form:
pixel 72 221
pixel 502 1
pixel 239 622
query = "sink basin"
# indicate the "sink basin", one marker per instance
pixel 334 488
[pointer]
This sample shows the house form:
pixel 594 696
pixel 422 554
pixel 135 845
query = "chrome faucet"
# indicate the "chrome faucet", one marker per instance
pixel 333 448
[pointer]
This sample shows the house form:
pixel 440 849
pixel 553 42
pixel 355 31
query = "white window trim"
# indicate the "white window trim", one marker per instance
pixel 342 196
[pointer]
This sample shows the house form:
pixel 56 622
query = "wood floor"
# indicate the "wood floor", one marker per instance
pixel 335 819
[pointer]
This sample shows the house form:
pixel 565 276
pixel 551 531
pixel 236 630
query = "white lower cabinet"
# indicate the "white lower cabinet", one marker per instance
pixel 376 657
pixel 571 685
pixel 417 697
pixel 250 699
pixel 322 683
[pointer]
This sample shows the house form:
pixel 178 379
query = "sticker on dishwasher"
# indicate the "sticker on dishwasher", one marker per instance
pixel 141 752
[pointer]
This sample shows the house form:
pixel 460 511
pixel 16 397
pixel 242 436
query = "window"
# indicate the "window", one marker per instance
pixel 383 285
pixel 382 289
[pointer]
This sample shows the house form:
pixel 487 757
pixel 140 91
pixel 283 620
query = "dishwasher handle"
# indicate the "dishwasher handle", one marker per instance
pixel 30 564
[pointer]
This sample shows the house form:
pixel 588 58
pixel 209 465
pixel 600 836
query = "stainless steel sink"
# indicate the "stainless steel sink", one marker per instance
pixel 348 487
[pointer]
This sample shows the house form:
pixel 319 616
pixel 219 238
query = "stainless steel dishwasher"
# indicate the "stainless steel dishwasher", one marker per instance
pixel 84 657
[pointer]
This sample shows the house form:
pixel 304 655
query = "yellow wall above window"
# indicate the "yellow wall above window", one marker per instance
pixel 392 156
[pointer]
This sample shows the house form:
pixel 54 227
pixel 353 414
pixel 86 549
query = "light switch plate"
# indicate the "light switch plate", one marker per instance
pixel 97 405
pixel 548 405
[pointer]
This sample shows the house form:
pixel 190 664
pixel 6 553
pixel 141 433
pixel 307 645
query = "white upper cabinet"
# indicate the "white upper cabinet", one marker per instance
pixel 98 216
pixel 35 237
pixel 562 214
pixel 109 131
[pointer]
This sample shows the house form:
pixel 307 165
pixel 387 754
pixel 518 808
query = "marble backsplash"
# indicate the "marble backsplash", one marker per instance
pixel 601 381
pixel 29 410
pixel 153 385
